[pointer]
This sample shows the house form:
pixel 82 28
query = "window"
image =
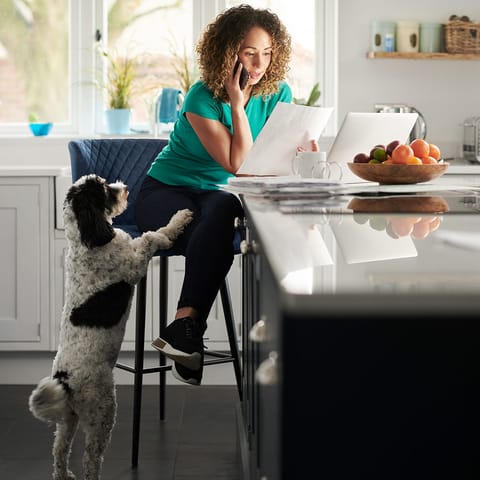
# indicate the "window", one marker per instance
pixel 34 42
pixel 51 71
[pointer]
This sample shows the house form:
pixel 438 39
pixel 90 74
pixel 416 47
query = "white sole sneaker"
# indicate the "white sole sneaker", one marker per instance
pixel 190 381
pixel 189 360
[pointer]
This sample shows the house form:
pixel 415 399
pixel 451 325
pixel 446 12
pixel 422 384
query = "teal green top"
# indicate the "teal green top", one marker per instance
pixel 184 161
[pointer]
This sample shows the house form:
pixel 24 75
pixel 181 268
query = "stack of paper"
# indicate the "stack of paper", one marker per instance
pixel 282 185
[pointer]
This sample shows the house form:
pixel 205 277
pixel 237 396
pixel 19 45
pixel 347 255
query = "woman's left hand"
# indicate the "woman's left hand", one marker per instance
pixel 313 147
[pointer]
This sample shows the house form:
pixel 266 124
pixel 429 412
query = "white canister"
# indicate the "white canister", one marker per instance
pixel 407 36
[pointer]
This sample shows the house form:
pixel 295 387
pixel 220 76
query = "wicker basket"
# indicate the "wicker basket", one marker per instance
pixel 462 37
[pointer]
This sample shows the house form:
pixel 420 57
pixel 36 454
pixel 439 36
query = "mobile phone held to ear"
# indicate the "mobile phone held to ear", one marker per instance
pixel 243 75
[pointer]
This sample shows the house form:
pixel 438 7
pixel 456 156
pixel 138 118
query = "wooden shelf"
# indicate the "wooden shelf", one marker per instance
pixel 424 56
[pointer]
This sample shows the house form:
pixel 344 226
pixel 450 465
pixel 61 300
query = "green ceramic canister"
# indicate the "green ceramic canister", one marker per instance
pixel 382 36
pixel 431 37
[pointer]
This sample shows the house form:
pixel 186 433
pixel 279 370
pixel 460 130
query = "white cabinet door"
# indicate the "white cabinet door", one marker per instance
pixel 60 252
pixel 129 340
pixel 25 219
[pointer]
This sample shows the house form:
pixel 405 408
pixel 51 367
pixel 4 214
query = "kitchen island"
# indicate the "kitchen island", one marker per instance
pixel 361 337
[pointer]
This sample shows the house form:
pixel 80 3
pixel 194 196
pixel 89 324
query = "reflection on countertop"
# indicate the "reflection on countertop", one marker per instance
pixel 462 166
pixel 340 244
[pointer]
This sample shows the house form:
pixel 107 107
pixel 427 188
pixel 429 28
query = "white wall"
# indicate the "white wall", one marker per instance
pixel 444 91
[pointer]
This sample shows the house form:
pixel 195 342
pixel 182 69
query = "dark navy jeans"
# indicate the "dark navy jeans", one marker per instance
pixel 207 242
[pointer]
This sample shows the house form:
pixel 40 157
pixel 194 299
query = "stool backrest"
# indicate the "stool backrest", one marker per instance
pixel 125 159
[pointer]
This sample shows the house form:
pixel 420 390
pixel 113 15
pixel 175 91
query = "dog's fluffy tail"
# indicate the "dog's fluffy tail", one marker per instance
pixel 49 401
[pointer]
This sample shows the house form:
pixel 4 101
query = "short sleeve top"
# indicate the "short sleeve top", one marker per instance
pixel 184 160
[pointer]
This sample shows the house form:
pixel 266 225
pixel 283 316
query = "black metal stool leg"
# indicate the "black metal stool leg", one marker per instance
pixel 138 368
pixel 231 332
pixel 163 295
pixel 138 376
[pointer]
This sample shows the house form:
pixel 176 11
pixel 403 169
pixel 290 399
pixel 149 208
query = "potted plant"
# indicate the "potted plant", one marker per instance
pixel 118 82
pixel 184 67
pixel 312 97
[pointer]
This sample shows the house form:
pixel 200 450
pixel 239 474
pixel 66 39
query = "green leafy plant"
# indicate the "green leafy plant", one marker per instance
pixel 119 81
pixel 33 118
pixel 312 98
pixel 184 67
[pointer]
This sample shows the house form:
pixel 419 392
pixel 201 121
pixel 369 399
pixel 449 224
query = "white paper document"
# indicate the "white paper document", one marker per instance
pixel 290 126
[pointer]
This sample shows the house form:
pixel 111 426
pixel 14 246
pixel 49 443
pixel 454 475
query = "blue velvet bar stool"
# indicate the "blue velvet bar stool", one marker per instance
pixel 128 159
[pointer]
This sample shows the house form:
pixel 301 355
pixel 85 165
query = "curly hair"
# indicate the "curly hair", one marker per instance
pixel 221 41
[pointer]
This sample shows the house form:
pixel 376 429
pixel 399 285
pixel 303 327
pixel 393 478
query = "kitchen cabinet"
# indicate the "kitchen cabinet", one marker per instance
pixel 26 217
pixel 360 350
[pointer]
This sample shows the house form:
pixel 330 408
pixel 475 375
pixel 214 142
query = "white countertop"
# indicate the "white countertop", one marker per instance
pixel 321 247
pixel 459 166
pixel 33 171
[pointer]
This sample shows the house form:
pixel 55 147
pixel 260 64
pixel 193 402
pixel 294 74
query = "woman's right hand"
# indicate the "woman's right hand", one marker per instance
pixel 232 86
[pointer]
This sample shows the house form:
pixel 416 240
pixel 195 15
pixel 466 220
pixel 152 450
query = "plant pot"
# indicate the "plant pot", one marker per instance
pixel 117 120
pixel 40 129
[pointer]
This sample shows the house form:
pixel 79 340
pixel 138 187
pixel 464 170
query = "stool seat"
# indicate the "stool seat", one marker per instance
pixel 128 160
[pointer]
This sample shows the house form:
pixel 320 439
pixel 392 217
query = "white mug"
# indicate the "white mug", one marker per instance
pixel 315 165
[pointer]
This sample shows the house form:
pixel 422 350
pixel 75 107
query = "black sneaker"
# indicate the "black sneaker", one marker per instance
pixel 184 374
pixel 182 342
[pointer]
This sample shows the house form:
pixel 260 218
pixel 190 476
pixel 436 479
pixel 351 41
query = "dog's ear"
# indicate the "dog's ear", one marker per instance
pixel 88 201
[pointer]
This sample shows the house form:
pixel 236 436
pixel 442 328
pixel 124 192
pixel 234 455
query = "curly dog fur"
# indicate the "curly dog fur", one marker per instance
pixel 103 264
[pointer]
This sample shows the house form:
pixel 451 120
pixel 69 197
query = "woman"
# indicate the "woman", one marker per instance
pixel 217 126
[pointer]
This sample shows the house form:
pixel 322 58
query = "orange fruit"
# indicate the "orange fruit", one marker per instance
pixel 434 151
pixel 435 223
pixel 421 229
pixel 428 160
pixel 403 226
pixel 414 161
pixel 420 147
pixel 402 153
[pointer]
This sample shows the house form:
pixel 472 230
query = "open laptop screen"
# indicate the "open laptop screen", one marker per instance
pixel 361 131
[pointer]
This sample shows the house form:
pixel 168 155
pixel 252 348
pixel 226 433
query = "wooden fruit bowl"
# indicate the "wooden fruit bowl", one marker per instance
pixel 401 204
pixel 393 174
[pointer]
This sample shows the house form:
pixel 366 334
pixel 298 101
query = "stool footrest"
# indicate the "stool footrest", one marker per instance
pixel 128 368
pixel 215 353
pixel 217 361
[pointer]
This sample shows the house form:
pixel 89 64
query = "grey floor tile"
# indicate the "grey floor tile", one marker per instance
pixel 196 441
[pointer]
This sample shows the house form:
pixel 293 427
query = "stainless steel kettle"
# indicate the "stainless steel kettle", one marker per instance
pixel 419 130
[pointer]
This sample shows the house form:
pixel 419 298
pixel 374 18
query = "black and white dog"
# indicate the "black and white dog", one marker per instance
pixel 103 264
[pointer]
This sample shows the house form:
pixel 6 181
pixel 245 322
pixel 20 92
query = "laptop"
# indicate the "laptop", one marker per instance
pixel 361 131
